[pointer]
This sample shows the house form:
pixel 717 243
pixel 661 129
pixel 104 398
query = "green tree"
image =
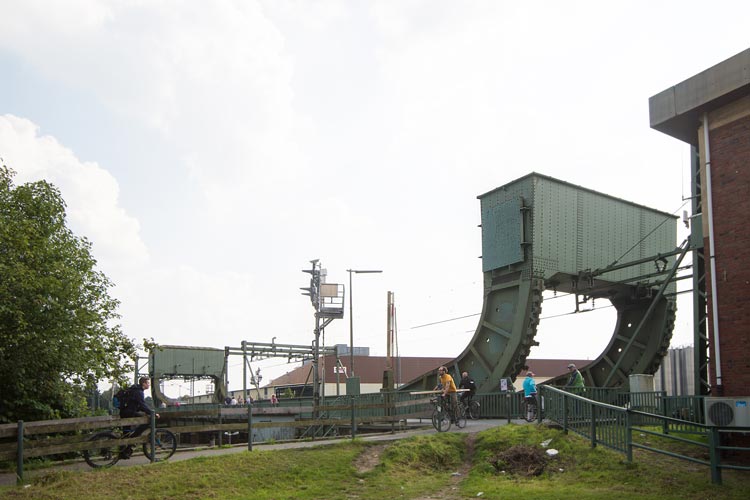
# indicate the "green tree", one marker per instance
pixel 59 330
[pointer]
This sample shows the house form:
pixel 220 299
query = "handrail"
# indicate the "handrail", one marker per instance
pixel 613 426
pixel 29 439
pixel 603 423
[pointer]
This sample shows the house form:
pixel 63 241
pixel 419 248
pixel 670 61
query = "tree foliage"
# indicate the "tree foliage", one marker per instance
pixel 59 330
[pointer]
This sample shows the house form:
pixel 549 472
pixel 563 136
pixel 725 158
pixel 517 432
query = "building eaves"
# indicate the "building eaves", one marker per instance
pixel 677 110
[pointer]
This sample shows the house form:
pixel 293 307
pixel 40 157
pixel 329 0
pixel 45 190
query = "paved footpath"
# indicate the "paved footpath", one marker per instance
pixel 9 478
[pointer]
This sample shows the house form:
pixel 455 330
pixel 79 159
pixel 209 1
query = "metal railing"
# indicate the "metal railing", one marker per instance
pixel 298 417
pixel 609 423
pixel 615 426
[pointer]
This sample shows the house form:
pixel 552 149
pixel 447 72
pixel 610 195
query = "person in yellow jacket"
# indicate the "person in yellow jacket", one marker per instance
pixel 447 385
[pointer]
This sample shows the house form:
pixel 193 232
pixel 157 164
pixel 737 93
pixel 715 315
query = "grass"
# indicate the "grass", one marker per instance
pixel 581 472
pixel 414 468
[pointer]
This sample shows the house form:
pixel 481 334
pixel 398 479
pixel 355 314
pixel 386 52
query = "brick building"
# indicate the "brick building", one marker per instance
pixel 711 112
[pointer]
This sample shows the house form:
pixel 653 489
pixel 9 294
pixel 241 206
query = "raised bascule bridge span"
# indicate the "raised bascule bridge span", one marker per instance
pixel 541 233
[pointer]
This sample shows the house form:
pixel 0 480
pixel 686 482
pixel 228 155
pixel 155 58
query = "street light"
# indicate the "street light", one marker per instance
pixel 351 316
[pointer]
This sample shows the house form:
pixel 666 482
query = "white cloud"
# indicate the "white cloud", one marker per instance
pixel 170 302
pixel 90 192
pixel 214 82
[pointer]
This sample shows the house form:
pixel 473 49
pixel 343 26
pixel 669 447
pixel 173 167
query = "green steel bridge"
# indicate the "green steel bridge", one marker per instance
pixel 540 233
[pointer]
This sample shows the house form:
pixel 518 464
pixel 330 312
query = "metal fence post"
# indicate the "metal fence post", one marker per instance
pixel 220 424
pixel 152 438
pixel 509 405
pixel 19 456
pixel 249 427
pixel 628 437
pixel 593 425
pixel 714 454
pixel 539 407
pixel 565 413
pixel 354 420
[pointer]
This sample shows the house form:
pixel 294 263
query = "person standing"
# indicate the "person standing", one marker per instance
pixel 529 393
pixel 135 406
pixel 576 379
pixel 529 386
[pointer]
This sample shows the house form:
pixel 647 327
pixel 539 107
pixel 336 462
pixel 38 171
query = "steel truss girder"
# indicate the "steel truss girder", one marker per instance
pixel 293 352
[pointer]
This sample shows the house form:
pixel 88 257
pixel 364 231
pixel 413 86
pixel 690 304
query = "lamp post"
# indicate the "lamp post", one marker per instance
pixel 351 315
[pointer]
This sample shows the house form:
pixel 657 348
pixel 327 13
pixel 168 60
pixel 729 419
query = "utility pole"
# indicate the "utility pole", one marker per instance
pixel 313 291
pixel 328 301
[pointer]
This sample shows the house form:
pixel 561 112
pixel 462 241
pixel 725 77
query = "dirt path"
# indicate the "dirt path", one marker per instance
pixel 451 491
pixel 370 458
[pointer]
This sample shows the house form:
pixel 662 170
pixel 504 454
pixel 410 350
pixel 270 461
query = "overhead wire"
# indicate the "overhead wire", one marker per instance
pixel 444 321
pixel 540 319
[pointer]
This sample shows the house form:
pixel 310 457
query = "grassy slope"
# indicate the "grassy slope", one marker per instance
pixel 415 468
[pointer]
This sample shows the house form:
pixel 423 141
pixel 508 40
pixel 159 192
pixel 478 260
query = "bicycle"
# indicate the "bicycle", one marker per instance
pixel 530 408
pixel 445 414
pixel 109 453
pixel 472 409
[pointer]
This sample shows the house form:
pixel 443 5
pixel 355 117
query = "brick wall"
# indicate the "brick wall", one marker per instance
pixel 730 172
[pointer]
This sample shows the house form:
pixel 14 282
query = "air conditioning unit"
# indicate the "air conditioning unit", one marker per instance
pixel 728 412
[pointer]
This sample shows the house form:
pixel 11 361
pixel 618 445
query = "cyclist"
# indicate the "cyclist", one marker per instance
pixel 135 406
pixel 447 385
pixel 467 383
pixel 529 392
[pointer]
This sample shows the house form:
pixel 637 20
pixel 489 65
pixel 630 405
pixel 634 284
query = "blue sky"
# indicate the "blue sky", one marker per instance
pixel 211 149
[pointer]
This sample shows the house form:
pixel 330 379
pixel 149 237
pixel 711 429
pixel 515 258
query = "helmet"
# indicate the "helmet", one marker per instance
pixel 571 365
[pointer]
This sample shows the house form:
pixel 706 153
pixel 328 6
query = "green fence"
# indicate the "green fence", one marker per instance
pixel 623 427
pixel 23 441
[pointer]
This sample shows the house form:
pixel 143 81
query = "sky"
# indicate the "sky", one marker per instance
pixel 210 150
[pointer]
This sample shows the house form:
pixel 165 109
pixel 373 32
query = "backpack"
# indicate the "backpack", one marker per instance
pixel 121 398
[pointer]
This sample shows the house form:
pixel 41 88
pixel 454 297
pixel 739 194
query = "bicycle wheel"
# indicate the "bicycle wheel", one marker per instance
pixel 473 410
pixel 460 416
pixel 102 454
pixel 166 444
pixel 441 420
